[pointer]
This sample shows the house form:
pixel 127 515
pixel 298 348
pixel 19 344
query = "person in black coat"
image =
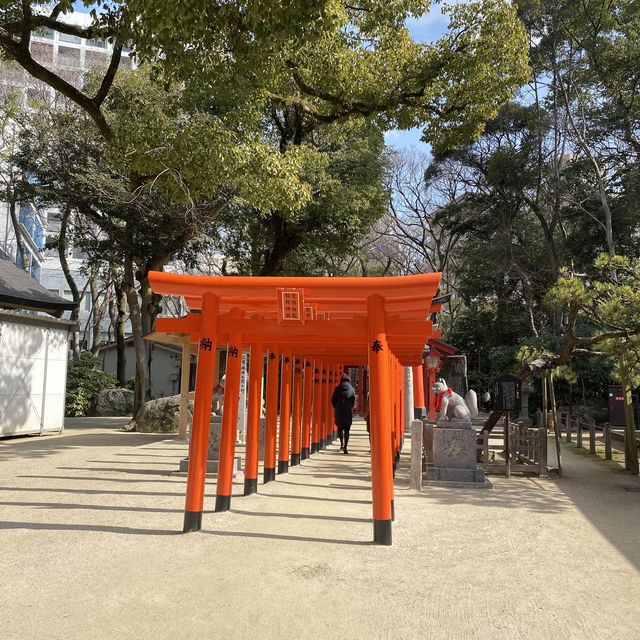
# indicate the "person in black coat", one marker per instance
pixel 343 400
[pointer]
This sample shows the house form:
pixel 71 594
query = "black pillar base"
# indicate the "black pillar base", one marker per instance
pixel 295 459
pixel 269 475
pixel 314 447
pixel 398 455
pixel 382 532
pixel 393 511
pixel 250 486
pixel 223 503
pixel 283 467
pixel 305 453
pixel 321 445
pixel 335 434
pixel 192 521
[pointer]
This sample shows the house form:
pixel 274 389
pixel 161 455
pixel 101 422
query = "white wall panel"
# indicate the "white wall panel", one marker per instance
pixel 33 371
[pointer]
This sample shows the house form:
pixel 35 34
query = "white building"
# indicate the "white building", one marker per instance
pixel 33 355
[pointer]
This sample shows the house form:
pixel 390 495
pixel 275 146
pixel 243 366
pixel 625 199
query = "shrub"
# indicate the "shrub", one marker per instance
pixel 84 382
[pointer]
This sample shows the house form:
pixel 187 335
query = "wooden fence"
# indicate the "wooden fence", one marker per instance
pixel 518 449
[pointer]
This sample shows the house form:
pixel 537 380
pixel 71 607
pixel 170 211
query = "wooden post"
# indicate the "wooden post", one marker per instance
pixel 285 412
pixel 322 408
pixel 592 437
pixel 607 441
pixel 271 419
pixel 307 405
pixel 507 448
pixel 226 456
pixel 569 420
pixel 316 417
pixel 199 442
pixel 419 406
pixel 256 364
pixel 381 473
pixel 578 432
pixel 185 370
pixel 542 434
pixel 296 412
pixel 545 401
pixel 556 426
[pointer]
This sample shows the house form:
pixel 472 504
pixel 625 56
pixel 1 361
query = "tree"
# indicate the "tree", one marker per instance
pixel 19 20
pixel 609 306
pixel 72 166
pixel 344 168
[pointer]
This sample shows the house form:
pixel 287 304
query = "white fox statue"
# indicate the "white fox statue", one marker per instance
pixel 450 405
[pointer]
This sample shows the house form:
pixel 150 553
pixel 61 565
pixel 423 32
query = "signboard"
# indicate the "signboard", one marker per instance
pixel 242 401
pixel 507 393
pixel 290 306
pixel 309 311
pixel 616 407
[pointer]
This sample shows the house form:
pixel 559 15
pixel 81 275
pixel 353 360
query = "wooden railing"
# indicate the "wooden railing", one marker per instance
pixel 571 424
pixel 518 449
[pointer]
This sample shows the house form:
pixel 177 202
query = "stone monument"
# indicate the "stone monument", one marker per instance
pixel 524 407
pixel 454 453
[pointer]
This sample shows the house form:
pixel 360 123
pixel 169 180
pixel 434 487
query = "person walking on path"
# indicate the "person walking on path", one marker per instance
pixel 343 401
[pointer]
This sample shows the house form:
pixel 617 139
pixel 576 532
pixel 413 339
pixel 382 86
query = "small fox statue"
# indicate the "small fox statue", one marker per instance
pixel 450 405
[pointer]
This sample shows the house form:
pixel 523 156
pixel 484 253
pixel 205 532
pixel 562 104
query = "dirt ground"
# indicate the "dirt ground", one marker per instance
pixel 90 548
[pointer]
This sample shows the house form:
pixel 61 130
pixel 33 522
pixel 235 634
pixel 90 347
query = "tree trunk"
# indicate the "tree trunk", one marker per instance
pixel 140 347
pixel 22 250
pixel 73 287
pixel 556 426
pixel 120 326
pixel 150 306
pixel 630 444
pixel 97 313
pixel 285 240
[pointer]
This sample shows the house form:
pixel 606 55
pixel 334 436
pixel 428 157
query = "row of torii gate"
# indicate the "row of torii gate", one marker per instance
pixel 309 329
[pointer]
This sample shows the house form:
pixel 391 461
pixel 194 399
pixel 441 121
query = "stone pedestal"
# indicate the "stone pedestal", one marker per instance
pixel 454 452
pixel 213 453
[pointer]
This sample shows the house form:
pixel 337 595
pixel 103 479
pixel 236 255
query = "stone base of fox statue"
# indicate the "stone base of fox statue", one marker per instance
pixel 213 453
pixel 454 456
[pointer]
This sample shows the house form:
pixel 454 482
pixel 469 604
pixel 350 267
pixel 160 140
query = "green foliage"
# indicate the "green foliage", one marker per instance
pixel 84 382
pixel 345 169
pixel 333 60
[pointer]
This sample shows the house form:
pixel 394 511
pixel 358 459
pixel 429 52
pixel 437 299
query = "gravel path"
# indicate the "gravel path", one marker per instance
pixel 89 550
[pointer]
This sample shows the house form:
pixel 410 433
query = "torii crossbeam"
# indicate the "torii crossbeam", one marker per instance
pixel 317 325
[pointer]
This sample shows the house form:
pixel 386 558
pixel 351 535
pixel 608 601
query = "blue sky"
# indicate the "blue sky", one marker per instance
pixel 425 29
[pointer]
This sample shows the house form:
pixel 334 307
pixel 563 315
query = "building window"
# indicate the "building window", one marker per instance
pixel 97 42
pixel 65 37
pixel 69 56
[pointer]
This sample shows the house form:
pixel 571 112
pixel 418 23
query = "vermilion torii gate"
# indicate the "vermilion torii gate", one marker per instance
pixel 315 326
